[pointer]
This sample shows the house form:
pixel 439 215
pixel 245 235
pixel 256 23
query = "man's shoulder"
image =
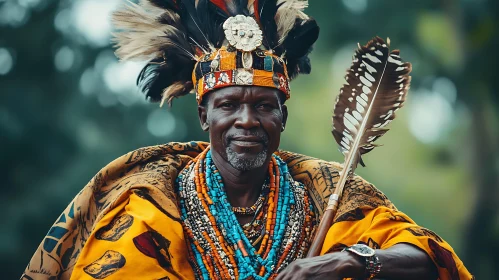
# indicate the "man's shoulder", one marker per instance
pixel 151 159
pixel 321 172
pixel 153 167
pixel 151 153
pixel 320 177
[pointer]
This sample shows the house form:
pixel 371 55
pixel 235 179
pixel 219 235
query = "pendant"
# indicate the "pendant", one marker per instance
pixel 243 33
pixel 247 60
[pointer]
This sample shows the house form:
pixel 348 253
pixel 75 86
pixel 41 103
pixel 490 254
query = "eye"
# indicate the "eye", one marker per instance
pixel 265 106
pixel 227 105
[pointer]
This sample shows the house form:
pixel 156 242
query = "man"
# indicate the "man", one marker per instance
pixel 236 208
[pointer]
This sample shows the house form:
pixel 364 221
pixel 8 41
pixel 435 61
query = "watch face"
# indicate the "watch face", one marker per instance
pixel 362 250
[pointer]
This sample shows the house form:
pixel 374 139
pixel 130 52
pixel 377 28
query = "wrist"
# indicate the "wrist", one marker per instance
pixel 352 266
pixel 368 257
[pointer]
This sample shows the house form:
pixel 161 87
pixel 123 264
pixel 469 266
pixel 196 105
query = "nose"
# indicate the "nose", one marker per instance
pixel 247 118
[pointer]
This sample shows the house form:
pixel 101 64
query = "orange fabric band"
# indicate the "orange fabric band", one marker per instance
pixel 230 67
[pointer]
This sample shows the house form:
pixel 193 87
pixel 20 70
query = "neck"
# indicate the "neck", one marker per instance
pixel 243 187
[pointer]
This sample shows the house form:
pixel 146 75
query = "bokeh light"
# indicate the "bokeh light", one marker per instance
pixel 430 115
pixel 355 6
pixel 13 14
pixel 161 123
pixel 92 19
pixel 64 59
pixel 6 61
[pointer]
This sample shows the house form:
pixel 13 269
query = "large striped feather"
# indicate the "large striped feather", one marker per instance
pixel 377 84
pixel 376 87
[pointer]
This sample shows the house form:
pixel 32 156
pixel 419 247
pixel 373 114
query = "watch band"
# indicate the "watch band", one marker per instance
pixel 373 266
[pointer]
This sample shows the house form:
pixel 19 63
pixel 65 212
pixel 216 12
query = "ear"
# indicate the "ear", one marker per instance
pixel 203 116
pixel 284 110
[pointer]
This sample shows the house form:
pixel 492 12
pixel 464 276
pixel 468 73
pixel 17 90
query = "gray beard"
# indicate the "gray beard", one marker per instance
pixel 245 164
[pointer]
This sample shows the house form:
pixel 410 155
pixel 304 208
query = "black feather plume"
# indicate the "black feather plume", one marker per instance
pixel 267 10
pixel 298 45
pixel 165 4
pixel 211 23
pixel 158 75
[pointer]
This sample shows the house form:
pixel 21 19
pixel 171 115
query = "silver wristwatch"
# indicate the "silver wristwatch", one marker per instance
pixel 373 265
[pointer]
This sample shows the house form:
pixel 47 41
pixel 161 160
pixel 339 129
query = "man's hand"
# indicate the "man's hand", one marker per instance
pixel 401 261
pixel 334 266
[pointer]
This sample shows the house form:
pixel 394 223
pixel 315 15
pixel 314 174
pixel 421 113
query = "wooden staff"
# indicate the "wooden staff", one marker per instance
pixel 376 87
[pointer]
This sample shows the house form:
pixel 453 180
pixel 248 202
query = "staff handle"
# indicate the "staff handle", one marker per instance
pixel 328 216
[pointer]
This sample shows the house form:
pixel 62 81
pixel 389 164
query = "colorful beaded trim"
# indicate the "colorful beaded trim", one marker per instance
pixel 219 245
pixel 229 67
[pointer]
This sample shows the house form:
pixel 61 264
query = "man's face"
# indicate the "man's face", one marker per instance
pixel 244 123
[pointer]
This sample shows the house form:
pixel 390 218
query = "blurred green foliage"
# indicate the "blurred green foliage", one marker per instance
pixel 67 108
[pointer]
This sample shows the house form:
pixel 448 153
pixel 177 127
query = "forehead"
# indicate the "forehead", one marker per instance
pixel 245 94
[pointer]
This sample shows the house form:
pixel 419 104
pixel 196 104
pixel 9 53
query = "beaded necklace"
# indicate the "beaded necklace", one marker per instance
pixel 249 210
pixel 219 247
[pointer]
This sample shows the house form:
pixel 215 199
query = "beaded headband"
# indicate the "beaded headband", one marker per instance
pixel 202 45
pixel 230 67
pixel 241 63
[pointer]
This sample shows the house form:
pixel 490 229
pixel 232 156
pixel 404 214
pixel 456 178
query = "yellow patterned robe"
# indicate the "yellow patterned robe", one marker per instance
pixel 125 223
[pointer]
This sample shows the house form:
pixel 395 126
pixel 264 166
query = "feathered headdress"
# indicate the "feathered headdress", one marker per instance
pixel 207 44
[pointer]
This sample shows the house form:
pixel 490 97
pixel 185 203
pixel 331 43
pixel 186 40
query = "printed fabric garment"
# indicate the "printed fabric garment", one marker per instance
pixel 125 223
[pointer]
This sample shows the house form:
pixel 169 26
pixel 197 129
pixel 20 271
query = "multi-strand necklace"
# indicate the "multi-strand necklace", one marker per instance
pixel 255 229
pixel 219 245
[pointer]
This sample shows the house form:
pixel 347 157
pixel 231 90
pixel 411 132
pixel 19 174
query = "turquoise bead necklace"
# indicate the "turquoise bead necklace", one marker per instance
pixel 218 244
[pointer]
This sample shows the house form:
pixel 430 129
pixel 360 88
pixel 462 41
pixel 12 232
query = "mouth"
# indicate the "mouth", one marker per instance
pixel 247 141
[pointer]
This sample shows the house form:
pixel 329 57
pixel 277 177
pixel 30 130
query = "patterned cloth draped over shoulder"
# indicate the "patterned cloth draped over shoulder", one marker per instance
pixel 125 223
